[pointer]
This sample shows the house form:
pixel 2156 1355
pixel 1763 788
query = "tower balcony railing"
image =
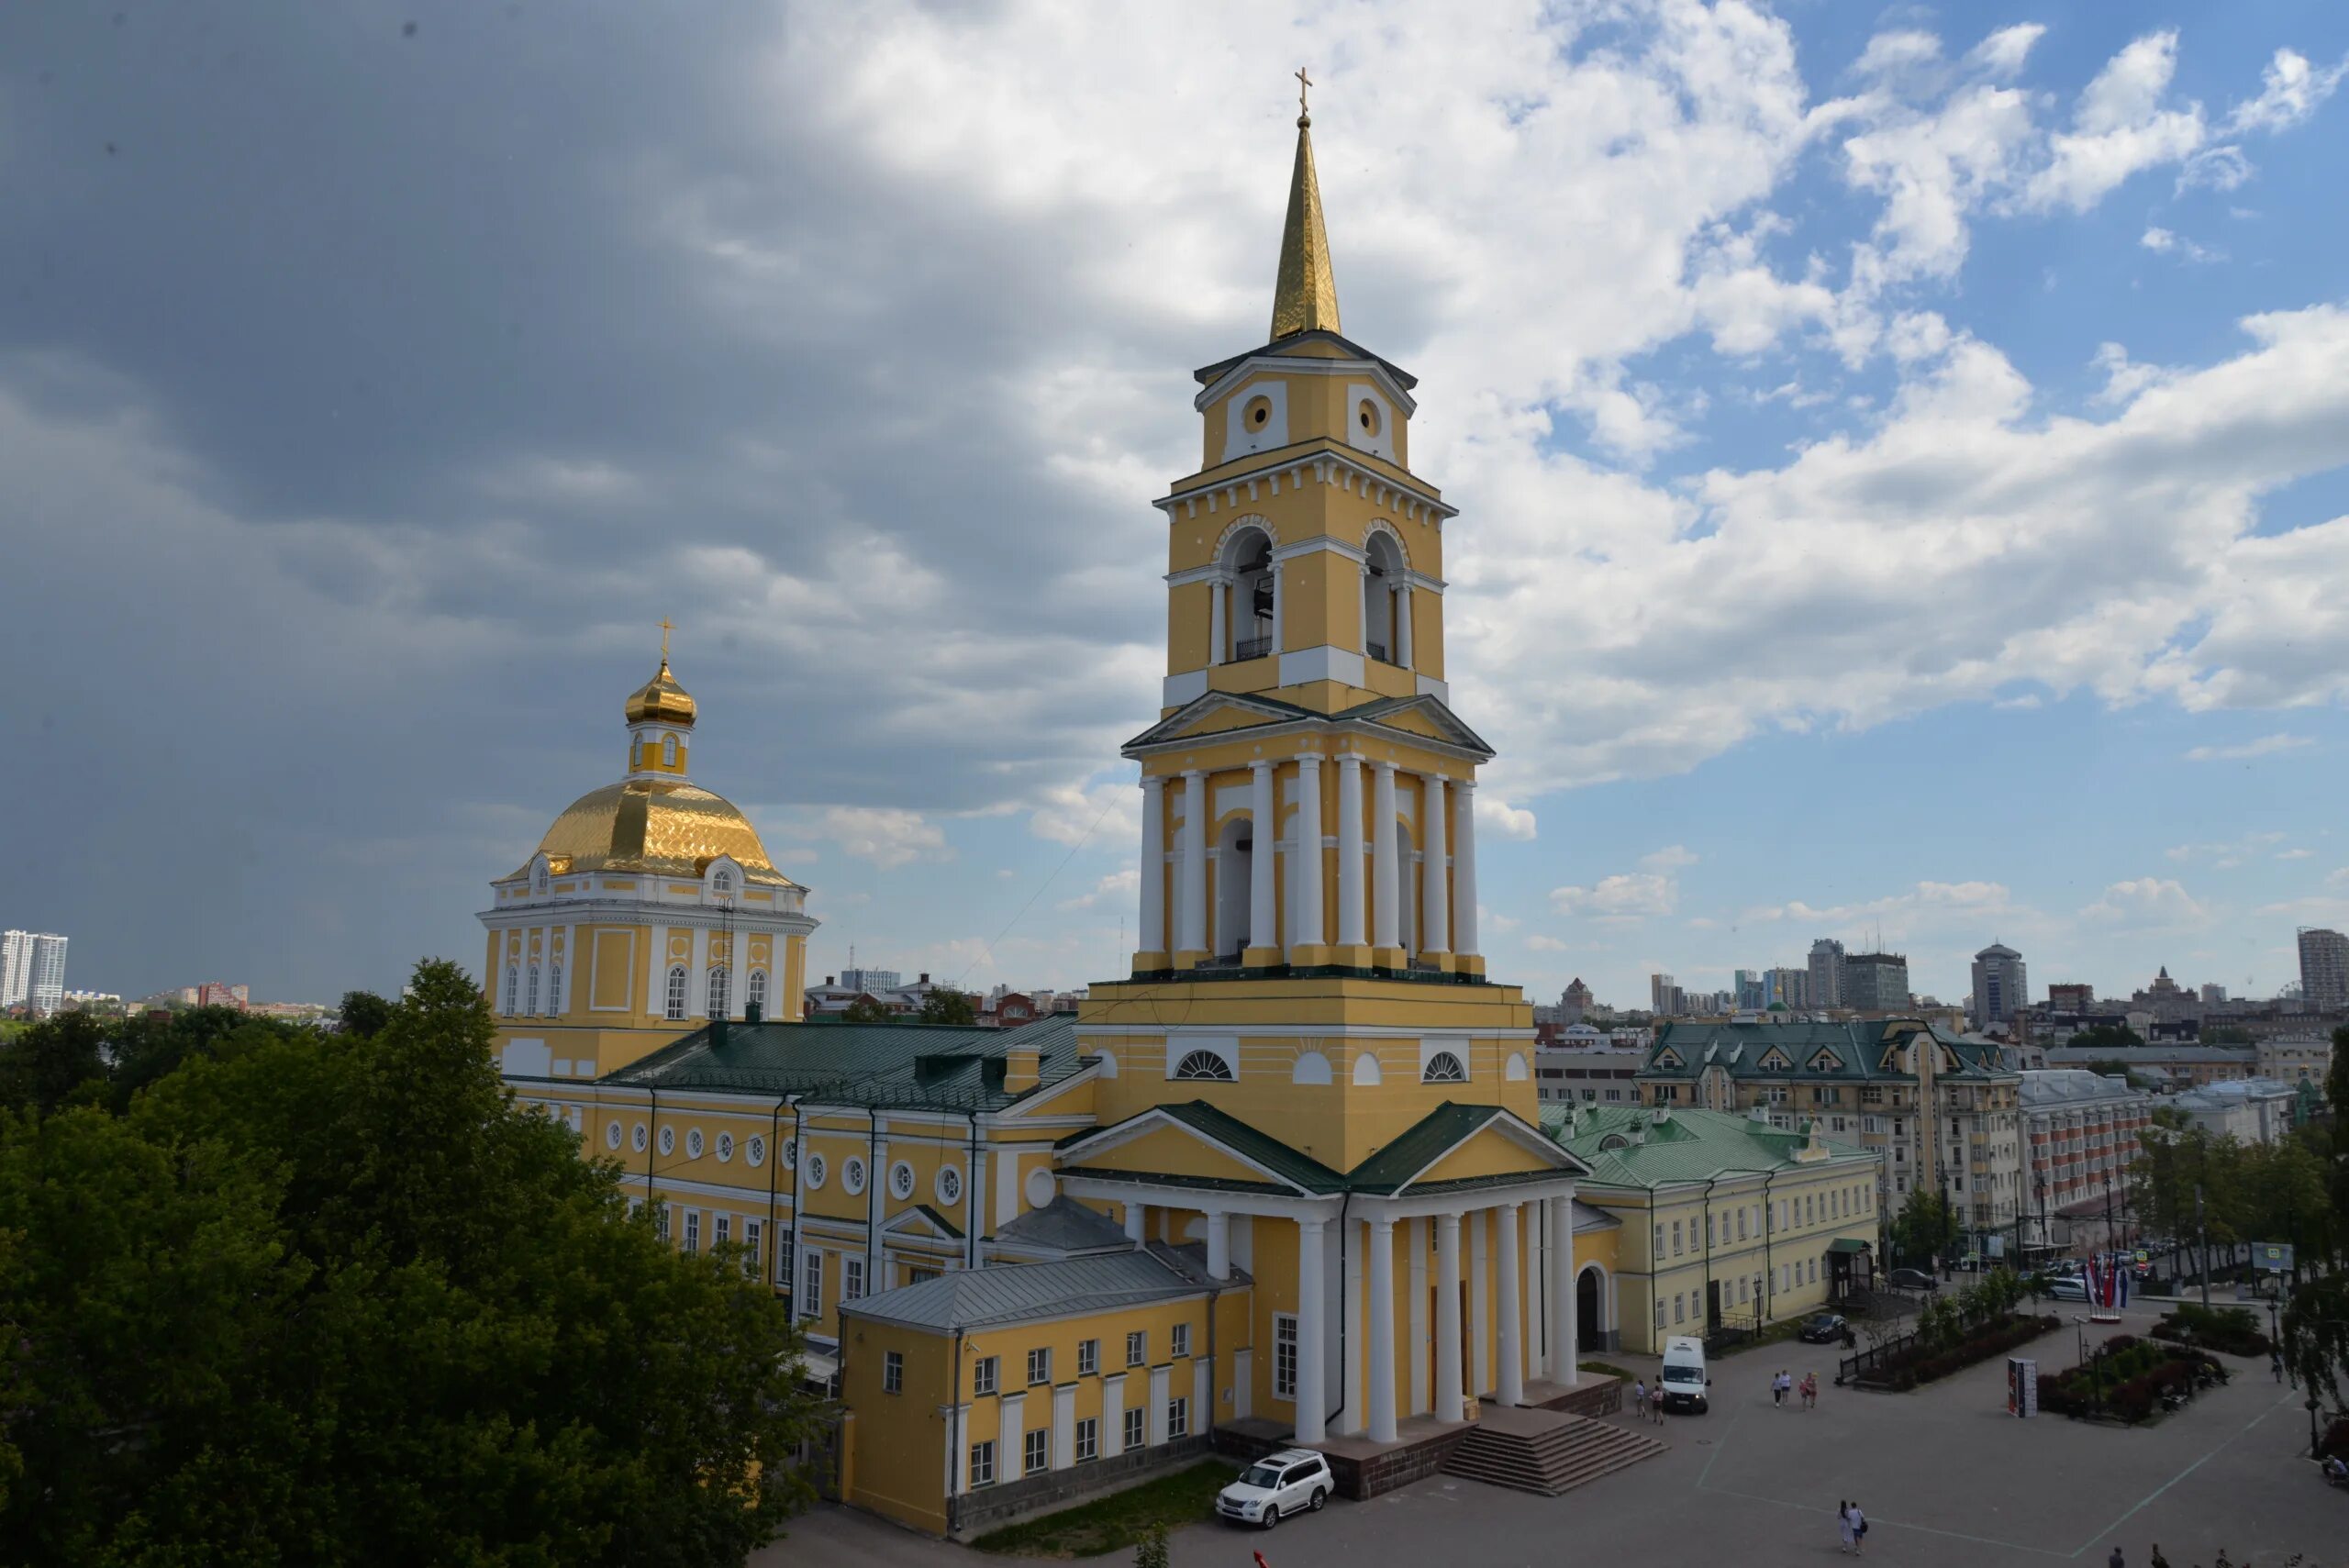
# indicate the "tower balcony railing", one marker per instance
pixel 1377 651
pixel 1249 648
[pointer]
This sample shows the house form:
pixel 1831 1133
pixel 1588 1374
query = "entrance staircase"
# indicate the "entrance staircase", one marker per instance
pixel 1545 1451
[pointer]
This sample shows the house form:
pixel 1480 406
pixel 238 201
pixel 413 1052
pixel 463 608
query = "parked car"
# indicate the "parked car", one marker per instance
pixel 1827 1328
pixel 2068 1287
pixel 1294 1480
pixel 1911 1279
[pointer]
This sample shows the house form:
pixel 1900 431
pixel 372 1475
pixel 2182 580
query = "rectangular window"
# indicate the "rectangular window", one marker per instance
pixel 1034 1451
pixel 660 1220
pixel 1284 1355
pixel 1137 1347
pixel 1741 1222
pixel 1182 1340
pixel 783 1261
pixel 1088 1439
pixel 917 1276
pixel 853 1280
pixel 1088 1357
pixel 811 1294
pixel 983 1465
pixel 693 1230
pixel 1679 1307
pixel 983 1375
pixel 751 1234
pixel 893 1373
pixel 1040 1366
pixel 1659 1312
pixel 1676 1238
pixel 724 1233
pixel 1178 1418
pixel 1659 1238
pixel 1133 1430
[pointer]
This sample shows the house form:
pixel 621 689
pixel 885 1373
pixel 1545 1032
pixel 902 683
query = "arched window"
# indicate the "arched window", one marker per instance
pixel 1204 1066
pixel 532 1005
pixel 1384 636
pixel 1444 1068
pixel 539 880
pixel 513 988
pixel 668 750
pixel 1248 564
pixel 676 991
pixel 722 881
pixel 718 992
pixel 757 994
pixel 554 989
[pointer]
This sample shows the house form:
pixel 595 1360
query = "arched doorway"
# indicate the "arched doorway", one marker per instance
pixel 1234 871
pixel 1590 1330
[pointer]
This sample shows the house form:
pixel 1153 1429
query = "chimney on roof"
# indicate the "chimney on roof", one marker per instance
pixel 925 977
pixel 1023 1069
pixel 1758 1113
pixel 831 980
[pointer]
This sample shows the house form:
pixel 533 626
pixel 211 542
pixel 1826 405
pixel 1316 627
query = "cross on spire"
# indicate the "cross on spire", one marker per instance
pixel 1303 82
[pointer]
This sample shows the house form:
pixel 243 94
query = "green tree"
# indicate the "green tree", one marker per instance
pixel 2226 1034
pixel 943 1005
pixel 338 1300
pixel 865 1010
pixel 47 1063
pixel 1925 1228
pixel 2106 1037
pixel 363 1014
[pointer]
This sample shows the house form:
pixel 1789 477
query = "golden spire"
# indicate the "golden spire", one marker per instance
pixel 1305 298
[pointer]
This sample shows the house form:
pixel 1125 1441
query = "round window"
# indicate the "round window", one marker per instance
pixel 693 1144
pixel 901 1181
pixel 1367 418
pixel 611 1135
pixel 1259 413
pixel 852 1173
pixel 725 1147
pixel 814 1170
pixel 668 1141
pixel 755 1151
pixel 1040 1188
pixel 791 1152
pixel 949 1185
pixel 637 1138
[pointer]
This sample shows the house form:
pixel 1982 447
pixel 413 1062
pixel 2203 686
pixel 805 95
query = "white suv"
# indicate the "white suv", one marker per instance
pixel 1294 1480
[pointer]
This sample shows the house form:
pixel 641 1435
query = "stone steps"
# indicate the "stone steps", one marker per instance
pixel 1548 1456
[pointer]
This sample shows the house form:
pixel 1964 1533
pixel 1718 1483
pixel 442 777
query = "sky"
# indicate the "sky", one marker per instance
pixel 1902 454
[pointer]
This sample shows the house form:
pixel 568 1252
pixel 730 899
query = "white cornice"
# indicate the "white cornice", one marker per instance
pixel 1326 465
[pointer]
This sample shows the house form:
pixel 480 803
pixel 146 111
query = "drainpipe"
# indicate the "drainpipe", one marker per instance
pixel 798 1212
pixel 1769 1273
pixel 877 1199
pixel 1329 1422
pixel 1708 1251
pixel 651 1143
pixel 970 1197
pixel 774 1161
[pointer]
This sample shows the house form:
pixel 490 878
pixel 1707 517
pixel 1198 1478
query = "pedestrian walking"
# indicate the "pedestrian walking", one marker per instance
pixel 1640 1398
pixel 1843 1526
pixel 2275 1362
pixel 1859 1529
pixel 2116 1561
pixel 2158 1558
pixel 1779 1383
pixel 1810 1391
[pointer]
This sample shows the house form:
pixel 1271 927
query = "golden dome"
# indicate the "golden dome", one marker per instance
pixel 661 827
pixel 661 698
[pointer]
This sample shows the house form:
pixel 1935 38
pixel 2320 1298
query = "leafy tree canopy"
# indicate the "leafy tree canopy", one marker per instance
pixel 946 1006
pixel 364 1013
pixel 2106 1037
pixel 865 1010
pixel 335 1299
pixel 1925 1228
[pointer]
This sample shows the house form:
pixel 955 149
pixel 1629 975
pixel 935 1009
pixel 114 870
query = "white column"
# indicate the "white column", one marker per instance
pixel 697 977
pixel 656 995
pixel 1155 1423
pixel 1307 865
pixel 1511 1386
pixel 1480 1302
pixel 1447 1318
pixel 1113 1415
pixel 1463 866
pixel 1402 648
pixel 1135 1215
pixel 1263 878
pixel 1352 1248
pixel 1561 1293
pixel 1418 1395
pixel 1153 864
pixel 1064 1427
pixel 1010 1427
pixel 1219 1244
pixel 1218 591
pixel 1435 928
pixel 1382 1330
pixel 1193 923
pixel 1384 855
pixel 1312 1398
pixel 1349 922
pixel 1536 1320
pixel 1280 644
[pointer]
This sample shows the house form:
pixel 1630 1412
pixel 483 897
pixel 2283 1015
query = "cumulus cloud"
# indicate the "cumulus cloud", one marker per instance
pixel 1624 897
pixel 887 836
pixel 2265 746
pixel 2147 901
pixel 2119 125
pixel 2290 89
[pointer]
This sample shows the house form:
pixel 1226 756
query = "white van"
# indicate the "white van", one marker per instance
pixel 1684 1383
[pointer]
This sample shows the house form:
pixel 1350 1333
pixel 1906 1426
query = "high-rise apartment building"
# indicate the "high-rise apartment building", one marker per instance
pixel 875 981
pixel 1787 989
pixel 2066 996
pixel 2213 994
pixel 2324 968
pixel 32 971
pixel 1665 998
pixel 1876 981
pixel 1999 986
pixel 1827 972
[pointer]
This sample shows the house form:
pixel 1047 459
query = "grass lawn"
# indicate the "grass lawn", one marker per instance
pixel 1107 1524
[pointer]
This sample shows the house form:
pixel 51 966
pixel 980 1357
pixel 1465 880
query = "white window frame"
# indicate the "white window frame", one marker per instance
pixel 1088 1357
pixel 852 1278
pixel 893 1371
pixel 693 1231
pixel 1182 1340
pixel 1284 1355
pixel 1088 1439
pixel 984 1375
pixel 1039 1365
pixel 675 995
pixel 1035 1452
pixel 1135 1428
pixel 1178 1418
pixel 811 1270
pixel 983 1464
pixel 1138 1347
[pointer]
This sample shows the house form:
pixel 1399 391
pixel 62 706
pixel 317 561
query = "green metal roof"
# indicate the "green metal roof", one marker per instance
pixel 1626 1146
pixel 1814 1053
pixel 1847 1244
pixel 1417 1146
pixel 950 1067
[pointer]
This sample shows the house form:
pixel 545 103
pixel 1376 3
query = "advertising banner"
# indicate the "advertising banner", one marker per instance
pixel 2022 1387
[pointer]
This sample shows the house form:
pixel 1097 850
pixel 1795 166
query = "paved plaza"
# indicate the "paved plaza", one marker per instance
pixel 1946 1475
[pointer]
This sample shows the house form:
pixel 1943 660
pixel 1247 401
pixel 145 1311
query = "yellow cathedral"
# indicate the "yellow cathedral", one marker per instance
pixel 1286 1184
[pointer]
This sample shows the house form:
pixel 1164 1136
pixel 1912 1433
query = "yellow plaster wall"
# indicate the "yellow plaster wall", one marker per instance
pixel 1488 1154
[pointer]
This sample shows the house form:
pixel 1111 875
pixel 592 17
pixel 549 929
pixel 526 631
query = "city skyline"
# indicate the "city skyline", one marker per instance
pixel 1804 473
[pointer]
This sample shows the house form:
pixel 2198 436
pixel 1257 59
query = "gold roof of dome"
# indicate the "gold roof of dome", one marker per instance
pixel 660 827
pixel 661 698
pixel 1304 292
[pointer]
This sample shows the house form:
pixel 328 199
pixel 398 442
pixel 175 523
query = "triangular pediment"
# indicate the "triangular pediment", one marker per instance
pixel 1668 1057
pixel 1421 717
pixel 1826 1061
pixel 1776 1060
pixel 1216 713
pixel 1425 715
pixel 1463 1143
pixel 921 1221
